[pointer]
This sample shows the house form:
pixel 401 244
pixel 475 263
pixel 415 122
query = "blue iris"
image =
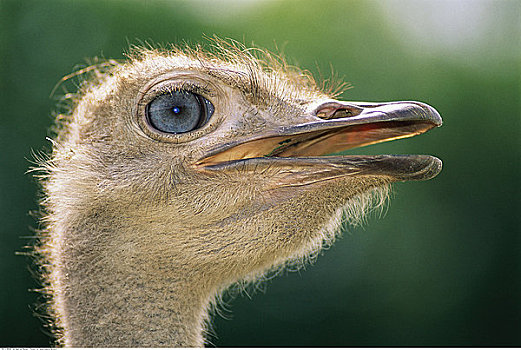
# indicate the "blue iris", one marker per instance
pixel 178 112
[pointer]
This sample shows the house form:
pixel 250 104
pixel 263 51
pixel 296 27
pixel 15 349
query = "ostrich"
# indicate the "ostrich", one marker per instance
pixel 180 172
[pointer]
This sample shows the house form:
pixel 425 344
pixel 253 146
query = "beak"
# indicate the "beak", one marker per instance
pixel 336 126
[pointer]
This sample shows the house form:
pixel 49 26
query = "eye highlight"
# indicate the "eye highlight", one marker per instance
pixel 178 111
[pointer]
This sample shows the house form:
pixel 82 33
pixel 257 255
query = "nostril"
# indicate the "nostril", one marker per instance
pixel 337 112
pixel 343 113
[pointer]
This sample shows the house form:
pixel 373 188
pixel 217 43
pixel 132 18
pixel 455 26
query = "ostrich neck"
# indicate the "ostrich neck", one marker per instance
pixel 112 290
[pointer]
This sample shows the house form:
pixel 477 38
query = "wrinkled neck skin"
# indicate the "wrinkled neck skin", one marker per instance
pixel 146 315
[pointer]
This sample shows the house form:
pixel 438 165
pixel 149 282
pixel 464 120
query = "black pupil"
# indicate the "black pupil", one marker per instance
pixel 177 112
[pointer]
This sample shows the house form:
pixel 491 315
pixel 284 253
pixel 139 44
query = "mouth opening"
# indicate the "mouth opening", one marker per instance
pixel 318 142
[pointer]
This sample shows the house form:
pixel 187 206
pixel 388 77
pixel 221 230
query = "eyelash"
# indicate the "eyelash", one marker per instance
pixel 185 86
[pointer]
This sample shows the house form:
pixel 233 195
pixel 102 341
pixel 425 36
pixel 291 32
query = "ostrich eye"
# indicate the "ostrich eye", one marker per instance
pixel 178 112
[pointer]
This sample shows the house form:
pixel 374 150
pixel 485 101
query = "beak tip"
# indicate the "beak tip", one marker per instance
pixel 430 168
pixel 431 114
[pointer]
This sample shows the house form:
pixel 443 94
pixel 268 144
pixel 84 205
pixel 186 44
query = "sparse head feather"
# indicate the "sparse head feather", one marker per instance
pixel 262 75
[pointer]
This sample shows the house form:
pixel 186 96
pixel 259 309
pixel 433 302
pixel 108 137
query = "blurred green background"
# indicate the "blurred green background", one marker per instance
pixel 441 267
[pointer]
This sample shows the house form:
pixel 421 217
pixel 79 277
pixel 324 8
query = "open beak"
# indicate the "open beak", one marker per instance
pixel 336 126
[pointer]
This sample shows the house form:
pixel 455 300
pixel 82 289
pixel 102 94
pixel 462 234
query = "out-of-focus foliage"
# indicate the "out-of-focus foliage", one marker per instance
pixel 441 267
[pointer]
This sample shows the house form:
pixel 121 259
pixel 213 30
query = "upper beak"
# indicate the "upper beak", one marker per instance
pixel 337 126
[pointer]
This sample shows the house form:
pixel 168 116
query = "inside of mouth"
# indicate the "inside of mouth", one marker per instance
pixel 322 142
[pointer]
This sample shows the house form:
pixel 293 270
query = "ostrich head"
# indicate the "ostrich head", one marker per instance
pixel 180 172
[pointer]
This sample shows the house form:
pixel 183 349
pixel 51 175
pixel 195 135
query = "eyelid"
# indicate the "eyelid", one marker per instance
pixel 215 94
